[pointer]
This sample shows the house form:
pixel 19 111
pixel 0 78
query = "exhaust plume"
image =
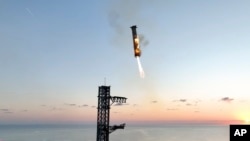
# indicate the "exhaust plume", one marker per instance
pixel 142 74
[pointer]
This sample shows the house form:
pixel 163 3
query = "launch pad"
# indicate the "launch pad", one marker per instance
pixel 103 113
pixel 105 100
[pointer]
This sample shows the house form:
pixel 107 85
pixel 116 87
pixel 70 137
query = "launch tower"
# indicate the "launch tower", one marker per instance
pixel 103 113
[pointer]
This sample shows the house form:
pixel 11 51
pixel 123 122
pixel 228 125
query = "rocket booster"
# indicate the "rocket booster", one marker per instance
pixel 137 49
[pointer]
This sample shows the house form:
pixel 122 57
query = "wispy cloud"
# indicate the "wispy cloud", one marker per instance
pixel 30 12
pixel 93 106
pixel 180 100
pixel 24 110
pixel 226 99
pixel 84 105
pixel 8 112
pixel 4 110
pixel 154 101
pixel 56 109
pixel 172 109
pixel 70 104
pixel 75 105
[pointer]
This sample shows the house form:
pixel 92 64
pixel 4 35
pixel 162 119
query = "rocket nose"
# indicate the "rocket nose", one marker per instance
pixel 133 27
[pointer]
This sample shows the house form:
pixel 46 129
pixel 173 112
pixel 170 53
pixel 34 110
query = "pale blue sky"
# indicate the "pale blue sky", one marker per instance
pixel 58 52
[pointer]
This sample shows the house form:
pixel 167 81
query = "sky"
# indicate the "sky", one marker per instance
pixel 55 54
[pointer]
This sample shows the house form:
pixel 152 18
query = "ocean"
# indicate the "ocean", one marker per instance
pixel 130 133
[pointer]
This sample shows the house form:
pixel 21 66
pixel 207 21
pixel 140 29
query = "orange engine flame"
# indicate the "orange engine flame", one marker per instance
pixel 136 40
pixel 137 50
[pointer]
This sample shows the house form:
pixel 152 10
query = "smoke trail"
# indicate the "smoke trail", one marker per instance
pixel 124 13
pixel 142 74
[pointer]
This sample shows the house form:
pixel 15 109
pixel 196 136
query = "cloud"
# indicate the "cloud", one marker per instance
pixel 8 112
pixel 226 99
pixel 84 105
pixel 68 104
pixel 182 100
pixel 56 109
pixel 93 106
pixel 24 110
pixel 154 101
pixel 4 110
pixel 188 104
pixel 76 105
pixel 172 109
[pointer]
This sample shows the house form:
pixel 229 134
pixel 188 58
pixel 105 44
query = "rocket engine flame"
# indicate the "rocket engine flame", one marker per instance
pixel 136 43
pixel 142 74
pixel 137 50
